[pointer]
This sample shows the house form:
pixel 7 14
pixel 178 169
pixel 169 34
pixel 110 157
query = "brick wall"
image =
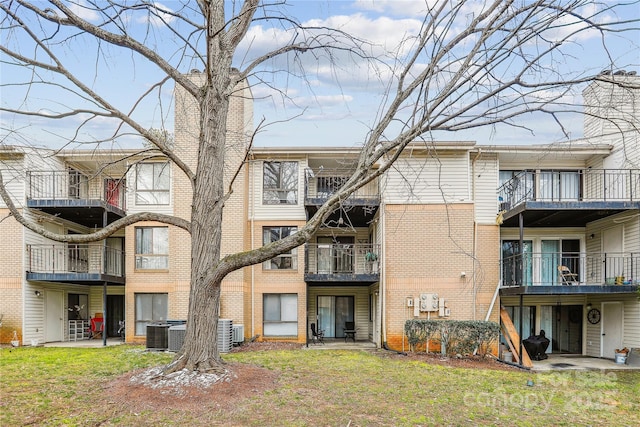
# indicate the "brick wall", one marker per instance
pixel 11 277
pixel 426 248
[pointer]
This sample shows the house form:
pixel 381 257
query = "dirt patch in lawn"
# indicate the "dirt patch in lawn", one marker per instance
pixel 471 362
pixel 201 396
pixel 143 390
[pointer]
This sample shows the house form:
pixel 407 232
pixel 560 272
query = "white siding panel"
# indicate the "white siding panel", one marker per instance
pixel 13 177
pixel 484 176
pixel 276 212
pixel 440 179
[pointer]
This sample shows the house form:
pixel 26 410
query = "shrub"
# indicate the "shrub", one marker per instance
pixel 455 336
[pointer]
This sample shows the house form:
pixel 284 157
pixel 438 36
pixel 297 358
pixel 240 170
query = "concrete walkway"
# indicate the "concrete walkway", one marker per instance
pixel 340 344
pixel 561 362
pixel 95 343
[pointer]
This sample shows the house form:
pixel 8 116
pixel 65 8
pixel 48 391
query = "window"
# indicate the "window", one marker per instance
pixel 280 315
pixel 280 183
pixel 152 248
pixel 284 261
pixel 152 183
pixel 150 308
pixel 78 306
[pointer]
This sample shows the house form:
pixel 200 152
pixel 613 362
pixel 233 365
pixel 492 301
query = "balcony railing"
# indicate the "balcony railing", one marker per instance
pixel 324 186
pixel 341 259
pixel 541 269
pixel 81 258
pixel 74 185
pixel 570 186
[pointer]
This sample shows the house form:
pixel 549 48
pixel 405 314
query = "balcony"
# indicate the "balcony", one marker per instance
pixel 77 197
pixel 87 264
pixel 538 273
pixel 555 198
pixel 357 210
pixel 345 264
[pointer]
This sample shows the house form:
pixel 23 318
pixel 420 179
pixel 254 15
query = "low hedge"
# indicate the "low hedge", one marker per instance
pixel 454 336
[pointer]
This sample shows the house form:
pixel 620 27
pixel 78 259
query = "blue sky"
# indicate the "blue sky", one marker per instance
pixel 332 106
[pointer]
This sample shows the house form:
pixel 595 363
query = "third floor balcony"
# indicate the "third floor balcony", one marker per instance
pixel 566 198
pixel 358 209
pixel 86 199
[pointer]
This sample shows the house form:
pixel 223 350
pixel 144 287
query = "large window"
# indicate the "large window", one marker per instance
pixel 280 183
pixel 284 261
pixel 150 308
pixel 152 183
pixel 280 315
pixel 152 248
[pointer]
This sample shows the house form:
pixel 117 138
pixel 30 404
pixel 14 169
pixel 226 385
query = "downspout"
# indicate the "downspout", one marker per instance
pixel 521 270
pixel 383 281
pixel 251 237
pixel 104 286
pixel 475 233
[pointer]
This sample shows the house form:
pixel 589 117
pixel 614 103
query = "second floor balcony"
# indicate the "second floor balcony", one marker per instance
pixel 349 264
pixel 561 273
pixel 84 199
pixel 89 264
pixel 566 198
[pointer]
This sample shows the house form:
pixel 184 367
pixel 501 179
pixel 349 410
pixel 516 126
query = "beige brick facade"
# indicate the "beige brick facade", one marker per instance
pixel 426 250
pixel 11 277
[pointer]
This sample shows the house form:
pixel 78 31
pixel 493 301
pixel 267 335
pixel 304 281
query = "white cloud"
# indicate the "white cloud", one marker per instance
pixel 161 17
pixel 81 9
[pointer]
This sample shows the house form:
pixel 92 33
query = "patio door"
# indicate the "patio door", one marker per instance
pixel 54 316
pixel 324 255
pixel 335 255
pixel 333 312
pixel 550 260
pixel 562 324
pixel 611 328
pixel 114 192
pixel 612 249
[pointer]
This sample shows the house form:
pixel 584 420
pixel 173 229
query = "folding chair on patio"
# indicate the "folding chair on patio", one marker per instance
pixel 97 327
pixel 317 335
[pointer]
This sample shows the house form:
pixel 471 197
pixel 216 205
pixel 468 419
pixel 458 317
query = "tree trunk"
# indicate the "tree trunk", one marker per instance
pixel 200 349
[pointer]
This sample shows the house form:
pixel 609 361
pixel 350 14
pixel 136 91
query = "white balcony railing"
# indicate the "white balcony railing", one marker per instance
pixel 74 185
pixel 81 258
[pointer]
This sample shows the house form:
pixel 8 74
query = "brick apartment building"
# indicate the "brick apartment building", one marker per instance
pixel 455 230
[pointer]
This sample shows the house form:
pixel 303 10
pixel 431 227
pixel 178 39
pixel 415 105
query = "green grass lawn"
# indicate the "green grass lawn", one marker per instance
pixel 70 386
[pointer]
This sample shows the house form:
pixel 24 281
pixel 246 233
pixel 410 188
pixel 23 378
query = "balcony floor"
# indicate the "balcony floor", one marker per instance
pixel 564 214
pixel 91 279
pixel 568 290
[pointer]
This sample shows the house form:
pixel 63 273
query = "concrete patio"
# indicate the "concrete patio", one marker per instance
pixel 562 362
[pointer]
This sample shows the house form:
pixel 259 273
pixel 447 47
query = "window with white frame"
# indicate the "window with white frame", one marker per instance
pixel 285 261
pixel 280 183
pixel 152 248
pixel 150 308
pixel 152 183
pixel 280 315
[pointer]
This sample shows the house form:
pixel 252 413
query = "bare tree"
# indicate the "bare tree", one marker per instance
pixel 469 64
